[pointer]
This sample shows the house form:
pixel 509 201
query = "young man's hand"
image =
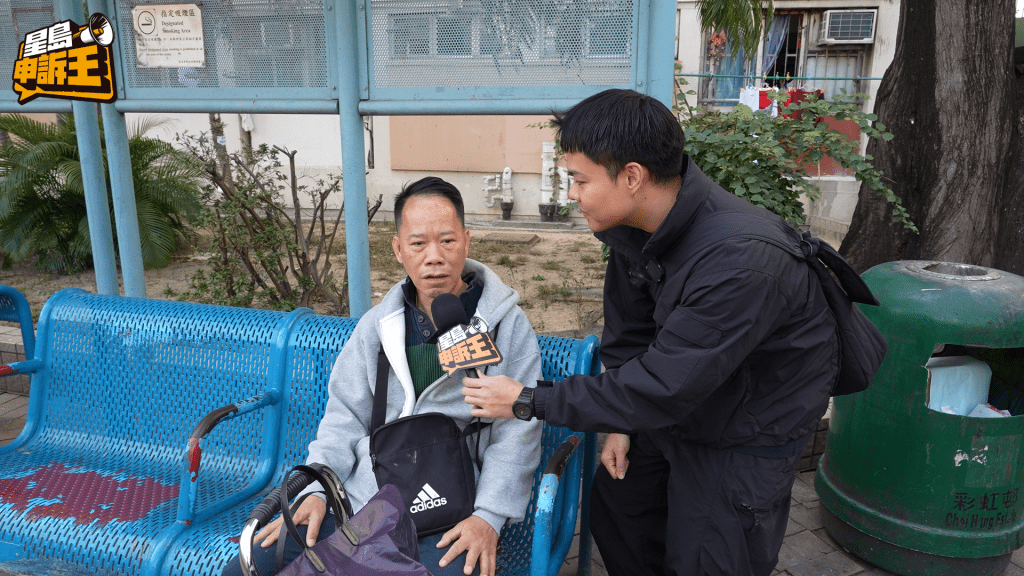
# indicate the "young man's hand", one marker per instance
pixel 613 456
pixel 491 396
pixel 475 536
pixel 311 512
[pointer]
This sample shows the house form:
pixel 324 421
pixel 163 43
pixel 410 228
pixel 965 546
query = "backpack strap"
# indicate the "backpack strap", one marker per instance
pixel 812 250
pixel 380 392
pixel 855 287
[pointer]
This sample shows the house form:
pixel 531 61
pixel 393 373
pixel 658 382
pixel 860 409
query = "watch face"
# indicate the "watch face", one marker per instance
pixel 522 411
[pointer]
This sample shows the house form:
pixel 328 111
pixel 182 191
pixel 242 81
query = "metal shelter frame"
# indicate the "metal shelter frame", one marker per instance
pixel 352 85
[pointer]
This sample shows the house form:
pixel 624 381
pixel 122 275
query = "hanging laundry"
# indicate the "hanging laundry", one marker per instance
pixel 749 97
pixel 757 100
pixel 797 95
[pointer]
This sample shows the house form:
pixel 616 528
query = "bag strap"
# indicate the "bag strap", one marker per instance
pixel 812 250
pixel 851 282
pixel 337 501
pixel 380 391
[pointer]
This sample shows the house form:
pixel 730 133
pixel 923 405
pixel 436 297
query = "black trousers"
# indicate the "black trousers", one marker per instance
pixel 686 509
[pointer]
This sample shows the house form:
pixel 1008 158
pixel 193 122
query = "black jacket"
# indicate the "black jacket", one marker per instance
pixel 726 345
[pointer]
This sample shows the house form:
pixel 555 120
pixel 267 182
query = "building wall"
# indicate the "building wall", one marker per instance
pixel 460 149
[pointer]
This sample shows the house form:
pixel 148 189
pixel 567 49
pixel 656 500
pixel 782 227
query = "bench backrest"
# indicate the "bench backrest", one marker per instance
pixel 124 382
pixel 164 364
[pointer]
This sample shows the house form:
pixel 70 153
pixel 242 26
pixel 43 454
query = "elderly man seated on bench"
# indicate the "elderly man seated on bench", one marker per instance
pixel 432 244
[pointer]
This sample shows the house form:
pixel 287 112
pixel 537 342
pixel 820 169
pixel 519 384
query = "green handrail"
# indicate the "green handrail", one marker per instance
pixel 789 78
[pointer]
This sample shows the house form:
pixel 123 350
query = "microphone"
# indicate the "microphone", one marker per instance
pixel 461 346
pixel 448 312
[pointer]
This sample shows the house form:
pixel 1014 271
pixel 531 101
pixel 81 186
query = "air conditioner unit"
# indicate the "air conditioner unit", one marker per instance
pixel 848 27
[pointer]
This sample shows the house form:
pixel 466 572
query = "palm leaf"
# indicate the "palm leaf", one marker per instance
pixel 743 21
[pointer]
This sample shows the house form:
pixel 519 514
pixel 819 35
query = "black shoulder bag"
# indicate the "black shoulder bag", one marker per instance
pixel 861 345
pixel 426 457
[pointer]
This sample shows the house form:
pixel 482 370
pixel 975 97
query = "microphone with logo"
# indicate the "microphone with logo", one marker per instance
pixel 461 344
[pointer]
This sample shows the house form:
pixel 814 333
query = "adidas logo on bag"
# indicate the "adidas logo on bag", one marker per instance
pixel 427 499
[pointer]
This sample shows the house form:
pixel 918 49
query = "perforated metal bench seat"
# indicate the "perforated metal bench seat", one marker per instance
pixel 112 474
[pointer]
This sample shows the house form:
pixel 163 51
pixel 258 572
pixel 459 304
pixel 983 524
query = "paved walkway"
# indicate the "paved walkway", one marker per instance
pixel 806 551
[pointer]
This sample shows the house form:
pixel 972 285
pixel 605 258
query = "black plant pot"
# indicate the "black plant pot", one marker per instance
pixel 506 210
pixel 548 212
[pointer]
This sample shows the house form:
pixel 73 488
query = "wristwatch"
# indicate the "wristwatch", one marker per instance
pixel 523 406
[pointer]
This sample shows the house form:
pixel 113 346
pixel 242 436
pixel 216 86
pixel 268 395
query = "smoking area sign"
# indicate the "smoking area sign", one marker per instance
pixel 169 36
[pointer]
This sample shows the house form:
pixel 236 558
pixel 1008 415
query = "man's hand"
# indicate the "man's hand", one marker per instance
pixel 475 535
pixel 491 396
pixel 311 512
pixel 613 456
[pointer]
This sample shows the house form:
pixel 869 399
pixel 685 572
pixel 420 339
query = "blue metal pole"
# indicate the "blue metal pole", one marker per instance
pixel 126 216
pixel 467 107
pixel 41 105
pixel 195 105
pixel 661 50
pixel 90 157
pixel 353 165
pixel 119 162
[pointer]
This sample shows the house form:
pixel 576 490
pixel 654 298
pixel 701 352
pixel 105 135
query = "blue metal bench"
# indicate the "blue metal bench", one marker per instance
pixel 155 427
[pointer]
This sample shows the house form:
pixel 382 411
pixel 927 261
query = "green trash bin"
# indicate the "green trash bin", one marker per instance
pixel 916 490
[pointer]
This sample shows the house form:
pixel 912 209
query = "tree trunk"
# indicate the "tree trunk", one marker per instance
pixel 1009 246
pixel 949 99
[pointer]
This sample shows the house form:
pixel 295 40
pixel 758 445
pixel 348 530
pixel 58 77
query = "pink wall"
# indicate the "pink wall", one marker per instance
pixel 468 143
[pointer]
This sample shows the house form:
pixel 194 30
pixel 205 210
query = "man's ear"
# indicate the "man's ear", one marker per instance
pixel 636 176
pixel 395 245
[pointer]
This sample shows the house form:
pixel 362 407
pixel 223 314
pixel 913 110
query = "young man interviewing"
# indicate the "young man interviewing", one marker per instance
pixel 720 352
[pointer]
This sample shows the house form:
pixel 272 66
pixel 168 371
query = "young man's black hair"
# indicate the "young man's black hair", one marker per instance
pixel 429 186
pixel 616 127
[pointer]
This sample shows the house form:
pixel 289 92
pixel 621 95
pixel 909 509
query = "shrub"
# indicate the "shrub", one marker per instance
pixel 765 160
pixel 42 198
pixel 267 254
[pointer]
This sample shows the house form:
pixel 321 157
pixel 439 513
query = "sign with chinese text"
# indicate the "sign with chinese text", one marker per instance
pixel 67 61
pixel 986 510
pixel 469 347
pixel 169 36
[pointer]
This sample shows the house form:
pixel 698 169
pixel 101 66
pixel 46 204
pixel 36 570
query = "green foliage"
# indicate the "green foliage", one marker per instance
pixel 765 160
pixel 742 20
pixel 267 254
pixel 42 198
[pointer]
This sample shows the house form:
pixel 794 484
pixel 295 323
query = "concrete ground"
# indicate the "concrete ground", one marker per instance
pixel 806 551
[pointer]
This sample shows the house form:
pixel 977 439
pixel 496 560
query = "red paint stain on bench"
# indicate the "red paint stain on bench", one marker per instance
pixel 56 491
pixel 194 456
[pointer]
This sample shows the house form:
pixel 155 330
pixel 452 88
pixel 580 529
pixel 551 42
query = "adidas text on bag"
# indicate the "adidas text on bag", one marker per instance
pixel 426 500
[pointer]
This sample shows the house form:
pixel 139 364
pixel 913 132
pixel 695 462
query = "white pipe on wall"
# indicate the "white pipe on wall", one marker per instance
pixel 547 168
pixel 506 184
pixel 563 185
pixel 492 185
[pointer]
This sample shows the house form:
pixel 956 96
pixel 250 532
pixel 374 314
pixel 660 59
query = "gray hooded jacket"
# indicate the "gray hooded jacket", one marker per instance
pixel 509 449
